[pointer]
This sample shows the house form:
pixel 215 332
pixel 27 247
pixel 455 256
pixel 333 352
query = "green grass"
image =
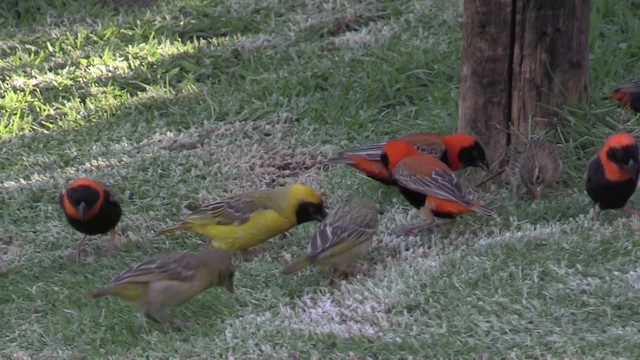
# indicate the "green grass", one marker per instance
pixel 186 101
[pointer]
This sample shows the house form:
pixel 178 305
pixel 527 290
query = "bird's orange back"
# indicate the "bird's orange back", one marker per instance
pixel 419 163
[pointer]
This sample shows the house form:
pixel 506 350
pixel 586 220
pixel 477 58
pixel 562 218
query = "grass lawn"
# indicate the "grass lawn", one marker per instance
pixel 176 103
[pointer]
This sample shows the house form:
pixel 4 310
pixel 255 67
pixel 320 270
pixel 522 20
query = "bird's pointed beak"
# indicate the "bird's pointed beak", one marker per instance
pixel 321 214
pixel 82 209
pixel 535 191
pixel 484 165
pixel 605 97
pixel 632 168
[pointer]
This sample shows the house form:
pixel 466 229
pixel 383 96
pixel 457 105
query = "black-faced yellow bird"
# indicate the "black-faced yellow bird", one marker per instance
pixel 91 208
pixel 343 236
pixel 457 151
pixel 428 184
pixel 533 165
pixel 242 221
pixel 628 94
pixel 156 285
pixel 612 175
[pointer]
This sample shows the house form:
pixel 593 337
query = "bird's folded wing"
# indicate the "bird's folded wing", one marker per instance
pixel 440 184
pixel 231 211
pixel 346 227
pixel 111 194
pixel 179 267
pixel 430 146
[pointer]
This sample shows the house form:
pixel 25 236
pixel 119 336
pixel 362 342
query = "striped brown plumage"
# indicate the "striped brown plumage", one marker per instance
pixel 532 166
pixel 344 235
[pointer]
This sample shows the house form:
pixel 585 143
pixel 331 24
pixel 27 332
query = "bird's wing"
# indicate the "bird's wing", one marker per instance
pixel 234 210
pixel 440 183
pixel 346 227
pixel 110 194
pixel 429 145
pixel 175 266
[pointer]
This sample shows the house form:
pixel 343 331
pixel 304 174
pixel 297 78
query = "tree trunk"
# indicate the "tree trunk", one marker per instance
pixel 519 58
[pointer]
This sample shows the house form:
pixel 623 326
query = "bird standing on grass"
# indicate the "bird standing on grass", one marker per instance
pixel 158 284
pixel 628 94
pixel 428 184
pixel 91 208
pixel 533 165
pixel 612 175
pixel 343 236
pixel 242 221
pixel 458 150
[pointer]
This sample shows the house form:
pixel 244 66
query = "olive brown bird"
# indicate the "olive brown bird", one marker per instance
pixel 242 221
pixel 158 284
pixel 428 184
pixel 533 165
pixel 457 151
pixel 612 175
pixel 342 237
pixel 91 208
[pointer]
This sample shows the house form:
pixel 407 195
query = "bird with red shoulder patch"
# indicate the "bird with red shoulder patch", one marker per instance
pixel 457 151
pixel 91 208
pixel 612 175
pixel 428 184
pixel 628 94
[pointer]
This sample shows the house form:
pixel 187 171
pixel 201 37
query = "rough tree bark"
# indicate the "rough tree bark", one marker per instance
pixel 519 58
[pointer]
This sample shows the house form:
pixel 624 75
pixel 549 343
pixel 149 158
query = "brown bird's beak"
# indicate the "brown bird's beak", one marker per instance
pixel 321 215
pixel 632 168
pixel 535 192
pixel 82 209
pixel 484 165
pixel 606 97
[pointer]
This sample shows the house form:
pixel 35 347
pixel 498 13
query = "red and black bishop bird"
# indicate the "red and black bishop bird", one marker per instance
pixel 628 94
pixel 612 175
pixel 91 208
pixel 457 151
pixel 428 184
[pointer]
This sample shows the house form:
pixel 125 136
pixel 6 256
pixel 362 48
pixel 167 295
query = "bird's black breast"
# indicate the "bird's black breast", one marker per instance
pixel 634 101
pixel 606 193
pixel 106 219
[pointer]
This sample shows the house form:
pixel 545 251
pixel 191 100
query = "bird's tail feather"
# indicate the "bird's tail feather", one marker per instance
pixel 296 266
pixel 482 210
pixel 170 229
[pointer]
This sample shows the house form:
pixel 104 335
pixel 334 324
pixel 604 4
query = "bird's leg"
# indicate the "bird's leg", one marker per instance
pixel 177 323
pixel 79 247
pixel 596 214
pixel 248 254
pixel 629 210
pixel 355 270
pixel 286 235
pixel 515 192
pixel 427 226
pixel 111 248
pixel 430 224
pixel 148 315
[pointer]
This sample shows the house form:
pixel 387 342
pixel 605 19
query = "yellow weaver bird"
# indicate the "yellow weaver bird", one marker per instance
pixel 343 236
pixel 246 220
pixel 163 282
